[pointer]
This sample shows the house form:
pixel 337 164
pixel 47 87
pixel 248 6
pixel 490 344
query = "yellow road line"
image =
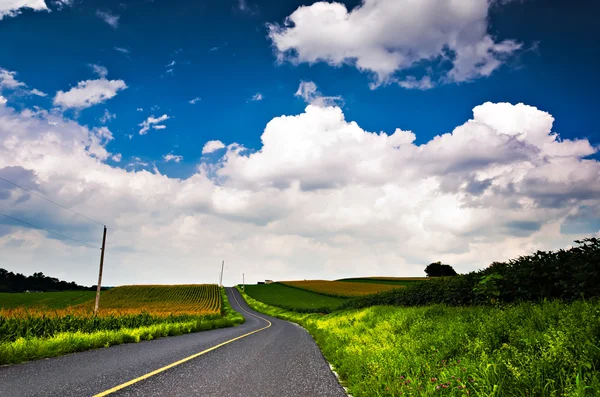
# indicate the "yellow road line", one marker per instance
pixel 193 356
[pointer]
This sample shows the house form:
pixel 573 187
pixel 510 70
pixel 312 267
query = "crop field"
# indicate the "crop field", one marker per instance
pixel 160 299
pixel 339 288
pixel 385 280
pixel 127 314
pixel 48 300
pixel 277 294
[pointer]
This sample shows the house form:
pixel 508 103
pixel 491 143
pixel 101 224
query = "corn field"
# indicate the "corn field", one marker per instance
pixel 122 307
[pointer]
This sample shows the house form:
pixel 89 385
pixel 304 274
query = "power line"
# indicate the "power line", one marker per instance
pixel 50 201
pixel 49 231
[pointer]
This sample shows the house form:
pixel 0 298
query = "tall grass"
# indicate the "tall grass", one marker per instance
pixel 547 349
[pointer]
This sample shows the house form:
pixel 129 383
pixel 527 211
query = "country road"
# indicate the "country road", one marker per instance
pixel 279 360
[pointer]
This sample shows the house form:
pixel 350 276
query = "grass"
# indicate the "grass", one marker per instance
pixel 403 281
pixel 548 349
pixel 339 288
pixel 50 300
pixel 293 298
pixel 27 334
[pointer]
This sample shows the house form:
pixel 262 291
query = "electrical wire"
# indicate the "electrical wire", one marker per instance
pixel 49 231
pixel 50 201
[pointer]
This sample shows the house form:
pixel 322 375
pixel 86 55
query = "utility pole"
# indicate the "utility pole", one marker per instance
pixel 100 273
pixel 221 279
pixel 243 283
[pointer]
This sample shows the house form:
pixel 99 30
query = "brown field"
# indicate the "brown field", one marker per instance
pixel 340 288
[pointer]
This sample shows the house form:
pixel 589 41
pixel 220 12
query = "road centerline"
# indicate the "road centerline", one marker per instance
pixel 186 359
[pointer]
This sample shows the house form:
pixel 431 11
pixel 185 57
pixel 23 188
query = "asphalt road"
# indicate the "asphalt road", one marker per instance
pixel 281 360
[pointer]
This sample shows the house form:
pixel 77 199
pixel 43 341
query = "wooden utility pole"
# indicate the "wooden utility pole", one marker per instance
pixel 221 279
pixel 243 283
pixel 100 274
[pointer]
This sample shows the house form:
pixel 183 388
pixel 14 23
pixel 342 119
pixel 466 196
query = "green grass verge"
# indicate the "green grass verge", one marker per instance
pixel 31 348
pixel 547 349
pixel 295 299
pixel 50 300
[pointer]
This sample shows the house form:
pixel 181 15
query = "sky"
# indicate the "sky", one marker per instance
pixel 294 139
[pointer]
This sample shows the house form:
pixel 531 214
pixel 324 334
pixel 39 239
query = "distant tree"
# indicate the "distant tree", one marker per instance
pixel 437 269
pixel 16 282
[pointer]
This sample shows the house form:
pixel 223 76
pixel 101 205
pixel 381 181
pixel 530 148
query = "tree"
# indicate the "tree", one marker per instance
pixel 437 269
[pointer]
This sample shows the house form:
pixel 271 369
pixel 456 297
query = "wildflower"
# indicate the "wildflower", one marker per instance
pixel 434 379
pixel 460 386
pixel 401 377
pixel 458 361
pixel 452 376
pixel 444 386
pixel 458 379
pixel 437 387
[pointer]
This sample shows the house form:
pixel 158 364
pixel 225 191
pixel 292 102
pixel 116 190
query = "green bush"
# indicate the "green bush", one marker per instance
pixel 567 275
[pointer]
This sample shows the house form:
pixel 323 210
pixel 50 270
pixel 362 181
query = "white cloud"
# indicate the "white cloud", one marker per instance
pixel 12 8
pixel 107 117
pixel 8 80
pixel 172 63
pixel 123 50
pixel 140 109
pixel 321 198
pixel 109 18
pixel 2 101
pixel 152 122
pixel 384 37
pixel 88 93
pixel 38 92
pixel 308 91
pixel 212 146
pixel 172 157
pixel 100 70
pixel 195 100
pixel 411 82
pixel 117 157
pixel 257 97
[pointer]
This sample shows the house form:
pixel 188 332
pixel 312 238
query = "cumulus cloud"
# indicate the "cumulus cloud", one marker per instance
pixel 12 8
pixel 2 100
pixel 152 122
pixel 384 37
pixel 89 92
pixel 257 97
pixel 320 198
pixel 172 157
pixel 212 146
pixel 117 157
pixel 109 18
pixel 194 101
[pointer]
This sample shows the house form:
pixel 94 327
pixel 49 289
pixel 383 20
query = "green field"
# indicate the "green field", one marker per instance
pixel 293 298
pixel 50 300
pixel 383 280
pixel 529 349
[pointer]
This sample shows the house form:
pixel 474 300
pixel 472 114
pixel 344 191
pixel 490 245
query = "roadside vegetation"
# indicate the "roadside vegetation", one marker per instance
pixel 290 298
pixel 128 314
pixel 526 327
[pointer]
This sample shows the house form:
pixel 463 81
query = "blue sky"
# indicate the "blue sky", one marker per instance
pixel 302 192
pixel 222 54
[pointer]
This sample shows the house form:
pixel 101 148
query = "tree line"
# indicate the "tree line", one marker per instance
pixel 17 282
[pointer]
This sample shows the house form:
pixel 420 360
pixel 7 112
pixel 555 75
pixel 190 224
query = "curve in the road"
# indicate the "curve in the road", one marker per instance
pixel 183 360
pixel 252 360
